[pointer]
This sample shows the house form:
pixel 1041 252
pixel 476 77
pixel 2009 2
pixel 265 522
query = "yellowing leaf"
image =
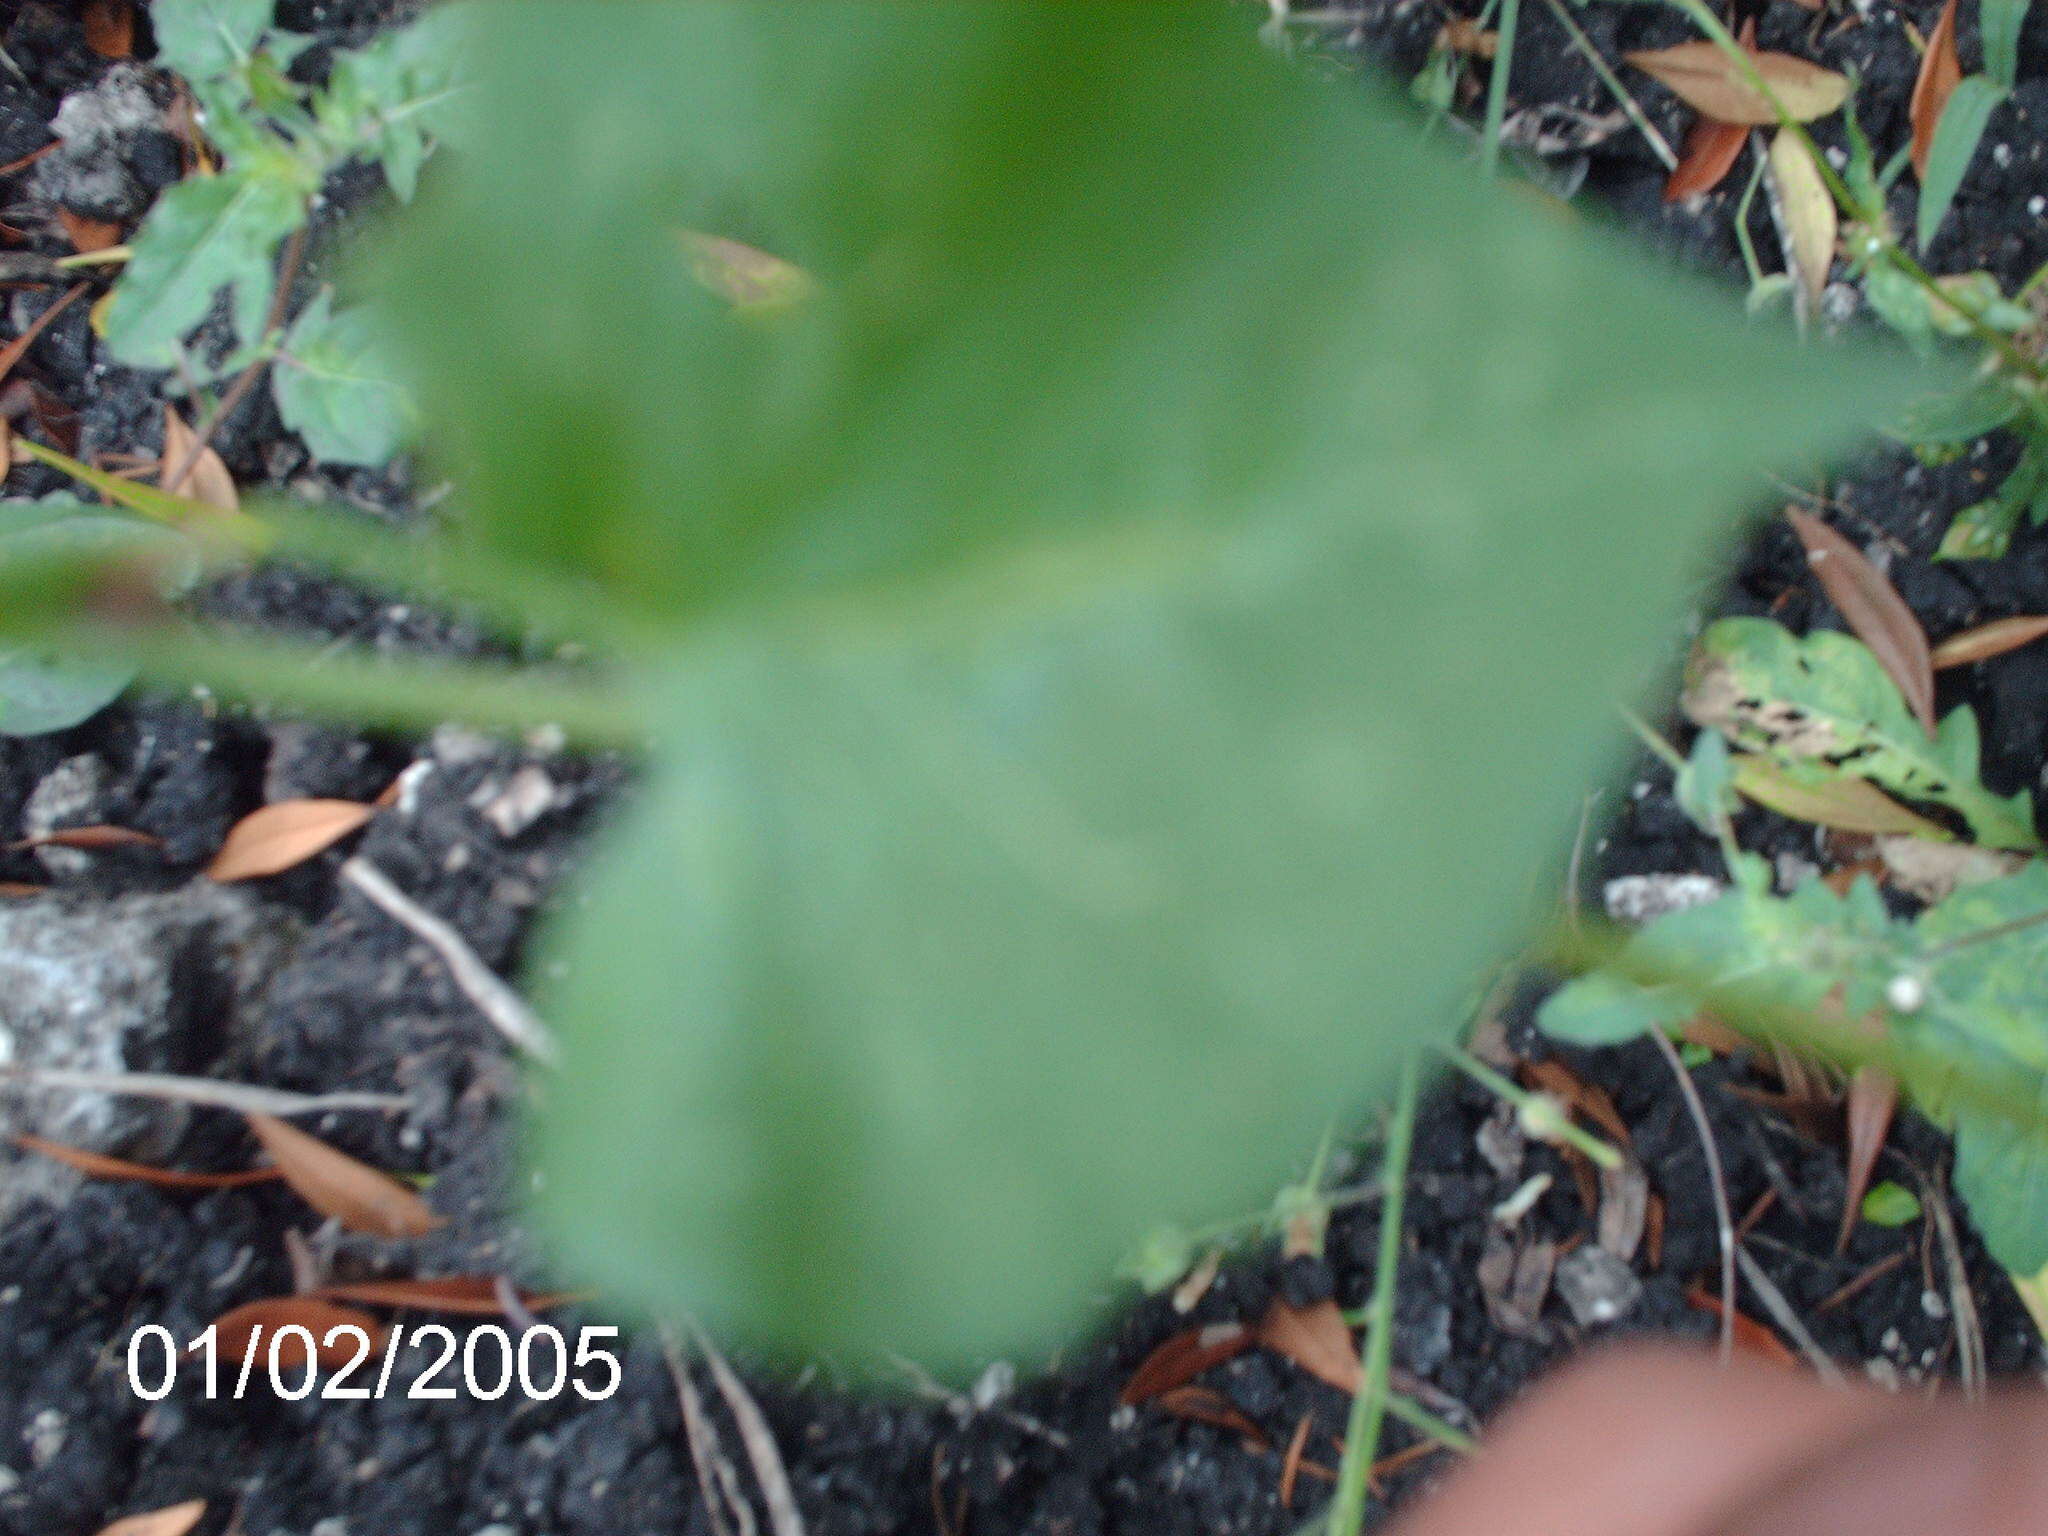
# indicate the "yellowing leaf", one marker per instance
pixel 335 1184
pixel 1705 78
pixel 279 836
pixel 1844 803
pixel 1807 210
pixel 746 278
pixel 172 1520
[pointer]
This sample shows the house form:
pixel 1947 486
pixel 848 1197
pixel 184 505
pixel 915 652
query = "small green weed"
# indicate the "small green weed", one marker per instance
pixel 221 229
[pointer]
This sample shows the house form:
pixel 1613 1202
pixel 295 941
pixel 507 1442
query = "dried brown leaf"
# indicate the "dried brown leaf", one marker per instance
pixel 1316 1338
pixel 1183 1357
pixel 1587 1100
pixel 1935 871
pixel 1941 71
pixel 92 839
pixel 1873 608
pixel 208 480
pixel 1290 1464
pixel 1873 1098
pixel 101 1166
pixel 1624 1208
pixel 17 888
pixel 172 1520
pixel 109 27
pixel 1461 34
pixel 279 836
pixel 1711 150
pixel 1989 640
pixel 1851 805
pixel 1806 209
pixel 237 1332
pixel 473 1295
pixel 88 234
pixel 360 1197
pixel 1706 79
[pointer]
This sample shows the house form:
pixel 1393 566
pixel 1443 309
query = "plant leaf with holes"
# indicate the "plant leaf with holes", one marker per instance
pixel 1824 699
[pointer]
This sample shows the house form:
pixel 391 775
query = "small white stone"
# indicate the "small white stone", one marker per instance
pixel 2037 205
pixel 1638 898
pixel 1906 992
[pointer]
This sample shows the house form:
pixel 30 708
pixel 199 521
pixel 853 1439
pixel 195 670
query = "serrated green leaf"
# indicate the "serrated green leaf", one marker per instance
pixel 1958 416
pixel 1826 699
pixel 205 233
pixel 1955 145
pixel 400 93
pixel 335 387
pixel 1097 612
pixel 203 39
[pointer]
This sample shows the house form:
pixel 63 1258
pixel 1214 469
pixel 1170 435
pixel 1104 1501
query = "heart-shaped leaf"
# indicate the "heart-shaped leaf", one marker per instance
pixel 1133 624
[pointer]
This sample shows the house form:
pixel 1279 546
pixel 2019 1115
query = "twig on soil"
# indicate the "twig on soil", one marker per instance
pixel 280 301
pixel 770 1475
pixel 248 1098
pixel 1724 1220
pixel 1369 1407
pixel 1962 1301
pixel 1782 1314
pixel 1659 145
pixel 494 999
pixel 716 1479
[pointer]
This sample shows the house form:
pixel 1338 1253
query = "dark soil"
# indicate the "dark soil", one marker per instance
pixel 358 1002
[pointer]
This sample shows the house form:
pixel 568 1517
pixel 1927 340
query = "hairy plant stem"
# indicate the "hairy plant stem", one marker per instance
pixel 1369 1407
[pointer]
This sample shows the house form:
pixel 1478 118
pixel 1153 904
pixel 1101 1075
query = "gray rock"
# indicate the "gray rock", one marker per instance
pixel 67 796
pixel 1598 1287
pixel 142 983
pixel 88 173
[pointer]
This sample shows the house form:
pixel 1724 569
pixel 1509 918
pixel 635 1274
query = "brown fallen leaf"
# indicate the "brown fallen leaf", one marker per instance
pixel 1851 805
pixel 1806 213
pixel 746 278
pixel 1989 640
pixel 173 1520
pixel 1587 1100
pixel 1941 71
pixel 1710 152
pixel 1872 606
pixel 1207 1407
pixel 360 1197
pixel 284 834
pixel 1183 1357
pixel 1935 871
pixel 103 1167
pixel 1624 1209
pixel 208 480
pixel 474 1295
pixel 1750 1335
pixel 1873 1098
pixel 1706 79
pixel 1316 1338
pixel 87 234
pixel 17 888
pixel 253 1328
pixel 109 27
pixel 92 839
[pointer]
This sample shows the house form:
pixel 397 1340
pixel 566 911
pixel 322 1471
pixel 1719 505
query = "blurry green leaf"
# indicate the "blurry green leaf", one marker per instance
pixel 1955 145
pixel 1956 416
pixel 335 387
pixel 1890 1205
pixel 1705 786
pixel 394 97
pixel 204 38
pixel 1825 699
pixel 205 233
pixel 1998 29
pixel 1097 613
pixel 39 694
pixel 1983 530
